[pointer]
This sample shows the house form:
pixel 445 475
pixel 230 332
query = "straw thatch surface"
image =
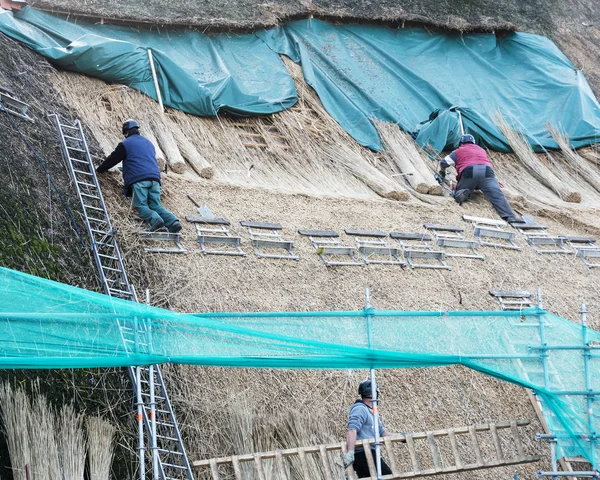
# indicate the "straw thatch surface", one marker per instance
pixel 483 15
pixel 217 408
pixel 415 399
pixel 305 179
pixel 301 150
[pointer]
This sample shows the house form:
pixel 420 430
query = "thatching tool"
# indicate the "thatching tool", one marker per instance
pixel 440 180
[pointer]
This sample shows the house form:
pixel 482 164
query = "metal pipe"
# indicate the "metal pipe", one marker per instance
pixel 543 354
pixel 374 398
pixel 554 459
pixel 140 422
pixel 153 423
pixel 155 78
pixel 555 474
pixel 588 384
pixel 564 347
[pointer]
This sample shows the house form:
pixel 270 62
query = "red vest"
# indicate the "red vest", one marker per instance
pixel 468 155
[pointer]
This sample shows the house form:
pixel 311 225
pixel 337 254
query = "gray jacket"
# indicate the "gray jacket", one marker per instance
pixel 362 420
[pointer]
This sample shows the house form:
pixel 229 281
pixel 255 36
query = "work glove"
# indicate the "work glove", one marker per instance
pixel 442 174
pixel 348 459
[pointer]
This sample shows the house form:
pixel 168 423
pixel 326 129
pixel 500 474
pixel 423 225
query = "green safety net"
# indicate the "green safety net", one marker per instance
pixel 412 77
pixel 44 324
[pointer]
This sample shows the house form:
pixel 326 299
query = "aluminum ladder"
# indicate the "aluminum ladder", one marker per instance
pixel 155 413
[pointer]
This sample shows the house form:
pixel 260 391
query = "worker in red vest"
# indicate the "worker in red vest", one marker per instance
pixel 474 171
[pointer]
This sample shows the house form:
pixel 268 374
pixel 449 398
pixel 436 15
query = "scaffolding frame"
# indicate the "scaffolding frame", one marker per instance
pixel 591 395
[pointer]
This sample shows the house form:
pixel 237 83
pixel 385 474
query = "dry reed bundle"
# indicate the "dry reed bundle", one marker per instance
pixel 189 152
pixel 531 162
pixel 377 181
pixel 71 443
pixel 161 126
pixel 592 155
pixel 403 154
pixel 105 107
pixel 100 447
pixel 42 440
pixel 16 411
pixel 160 156
pixel 573 160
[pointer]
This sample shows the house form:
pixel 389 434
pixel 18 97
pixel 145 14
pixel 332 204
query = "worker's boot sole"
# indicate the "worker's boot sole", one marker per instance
pixel 156 226
pixel 462 196
pixel 175 227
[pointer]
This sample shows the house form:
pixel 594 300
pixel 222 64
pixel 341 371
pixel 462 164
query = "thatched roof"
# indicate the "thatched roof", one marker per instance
pixel 463 15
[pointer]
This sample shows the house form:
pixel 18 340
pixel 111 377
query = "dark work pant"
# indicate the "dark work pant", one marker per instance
pixel 482 177
pixel 361 467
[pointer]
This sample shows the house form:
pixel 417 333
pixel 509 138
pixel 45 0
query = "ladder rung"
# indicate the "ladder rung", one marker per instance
pixel 78 160
pixel 83 173
pixel 75 149
pixel 69 126
pixel 107 256
pixel 93 219
pixel 170 425
pixel 85 184
pixel 118 291
pixel 172 452
pixel 167 438
pixel 111 269
pixel 156 397
pixel 90 196
pixel 72 138
pixel 183 467
pixel 93 208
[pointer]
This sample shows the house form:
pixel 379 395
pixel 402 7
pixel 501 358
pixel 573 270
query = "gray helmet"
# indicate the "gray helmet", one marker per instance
pixel 130 125
pixel 467 139
pixel 365 389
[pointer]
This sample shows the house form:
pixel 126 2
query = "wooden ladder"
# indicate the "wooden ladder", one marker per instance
pixel 411 455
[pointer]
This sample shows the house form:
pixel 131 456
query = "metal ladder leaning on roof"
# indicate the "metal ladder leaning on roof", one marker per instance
pixel 154 406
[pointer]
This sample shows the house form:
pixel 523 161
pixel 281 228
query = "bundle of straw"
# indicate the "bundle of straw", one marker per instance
pixel 16 411
pixel 189 152
pixel 168 144
pixel 403 154
pixel 577 164
pixel 42 440
pixel 377 181
pixel 71 443
pixel 530 161
pixel 100 434
pixel 160 156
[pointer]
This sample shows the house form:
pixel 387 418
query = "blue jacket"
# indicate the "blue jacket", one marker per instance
pixel 139 161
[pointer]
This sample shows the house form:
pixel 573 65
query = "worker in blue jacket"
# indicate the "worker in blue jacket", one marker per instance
pixel 141 176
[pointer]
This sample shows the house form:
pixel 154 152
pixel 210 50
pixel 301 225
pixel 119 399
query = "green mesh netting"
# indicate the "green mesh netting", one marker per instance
pixel 45 324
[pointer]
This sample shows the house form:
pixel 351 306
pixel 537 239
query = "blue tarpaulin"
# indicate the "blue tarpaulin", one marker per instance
pixel 412 77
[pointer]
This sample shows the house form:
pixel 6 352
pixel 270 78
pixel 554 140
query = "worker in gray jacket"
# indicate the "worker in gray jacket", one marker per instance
pixel 474 171
pixel 361 423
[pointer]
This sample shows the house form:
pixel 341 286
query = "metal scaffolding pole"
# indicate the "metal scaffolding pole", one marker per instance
pixel 588 384
pixel 374 398
pixel 588 392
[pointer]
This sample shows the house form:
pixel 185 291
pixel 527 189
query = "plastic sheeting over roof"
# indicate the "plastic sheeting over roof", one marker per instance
pixel 197 73
pixel 411 77
pixel 404 75
pixel 44 324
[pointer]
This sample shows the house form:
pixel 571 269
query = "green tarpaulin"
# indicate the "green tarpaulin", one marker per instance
pixel 197 73
pixel 403 75
pixel 411 77
pixel 44 324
